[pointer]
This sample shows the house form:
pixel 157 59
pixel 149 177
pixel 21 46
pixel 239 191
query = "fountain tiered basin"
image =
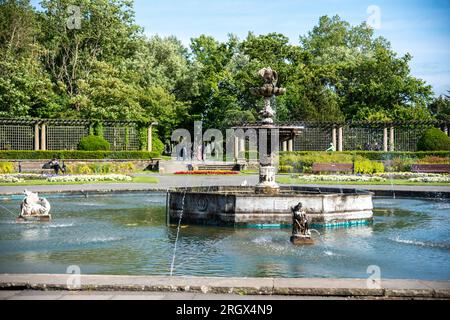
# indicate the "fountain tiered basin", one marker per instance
pixel 243 206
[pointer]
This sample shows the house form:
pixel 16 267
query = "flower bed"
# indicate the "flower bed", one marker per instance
pixel 314 177
pixel 407 175
pixel 430 179
pixel 8 178
pixel 90 178
pixel 208 172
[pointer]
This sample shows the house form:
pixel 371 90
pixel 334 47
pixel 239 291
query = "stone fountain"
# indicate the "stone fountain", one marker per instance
pixel 268 204
pixel 267 169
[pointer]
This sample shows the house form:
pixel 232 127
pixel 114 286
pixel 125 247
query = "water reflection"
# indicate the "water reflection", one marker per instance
pixel 128 235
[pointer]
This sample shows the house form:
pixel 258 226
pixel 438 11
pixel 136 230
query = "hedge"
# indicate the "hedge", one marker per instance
pixel 377 155
pixel 76 155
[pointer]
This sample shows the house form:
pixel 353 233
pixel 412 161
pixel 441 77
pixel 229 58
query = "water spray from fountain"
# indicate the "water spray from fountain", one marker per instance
pixel 176 238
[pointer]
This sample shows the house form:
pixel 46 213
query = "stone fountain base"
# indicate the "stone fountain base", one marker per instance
pixel 301 240
pixel 38 218
pixel 243 206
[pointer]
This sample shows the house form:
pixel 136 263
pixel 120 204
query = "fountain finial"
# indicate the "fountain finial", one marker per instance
pixel 268 90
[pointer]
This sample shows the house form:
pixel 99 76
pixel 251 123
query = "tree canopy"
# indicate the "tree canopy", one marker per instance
pixel 107 69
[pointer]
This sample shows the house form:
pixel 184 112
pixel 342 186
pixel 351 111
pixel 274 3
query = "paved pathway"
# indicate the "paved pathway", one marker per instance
pixel 208 287
pixel 133 295
pixel 168 181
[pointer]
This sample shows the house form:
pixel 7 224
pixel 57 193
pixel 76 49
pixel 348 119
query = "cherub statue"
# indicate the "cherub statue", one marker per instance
pixel 32 205
pixel 270 76
pixel 300 223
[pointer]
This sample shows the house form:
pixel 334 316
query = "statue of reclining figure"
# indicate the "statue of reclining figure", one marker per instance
pixel 32 205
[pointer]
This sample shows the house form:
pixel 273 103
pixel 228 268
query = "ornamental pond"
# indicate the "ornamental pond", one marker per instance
pixel 127 234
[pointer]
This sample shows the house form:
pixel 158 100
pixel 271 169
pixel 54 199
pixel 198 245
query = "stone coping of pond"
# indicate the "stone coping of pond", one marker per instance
pixel 100 190
pixel 171 182
pixel 387 288
pixel 284 191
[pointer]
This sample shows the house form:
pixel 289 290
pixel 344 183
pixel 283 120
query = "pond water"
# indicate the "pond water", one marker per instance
pixel 127 234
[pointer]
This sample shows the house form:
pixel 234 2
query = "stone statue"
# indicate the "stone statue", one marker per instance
pixel 270 76
pixel 300 226
pixel 33 206
pixel 269 88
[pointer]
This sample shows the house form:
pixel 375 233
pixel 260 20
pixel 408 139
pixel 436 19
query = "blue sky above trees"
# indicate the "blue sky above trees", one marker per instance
pixel 420 27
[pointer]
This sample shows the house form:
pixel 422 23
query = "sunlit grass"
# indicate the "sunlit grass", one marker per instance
pixel 140 179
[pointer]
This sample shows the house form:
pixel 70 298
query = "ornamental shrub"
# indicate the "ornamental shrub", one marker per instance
pixel 157 144
pixel 286 168
pixel 433 139
pixel 6 167
pixel 368 167
pixel 93 143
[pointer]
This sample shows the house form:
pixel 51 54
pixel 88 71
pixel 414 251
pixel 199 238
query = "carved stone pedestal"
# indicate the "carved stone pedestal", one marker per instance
pixel 267 182
pixel 302 240
pixel 41 218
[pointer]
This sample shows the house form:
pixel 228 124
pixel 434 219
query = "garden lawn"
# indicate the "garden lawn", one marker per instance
pixel 143 179
pixel 290 180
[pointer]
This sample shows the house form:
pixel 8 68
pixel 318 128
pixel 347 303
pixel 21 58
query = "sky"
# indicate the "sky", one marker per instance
pixel 418 27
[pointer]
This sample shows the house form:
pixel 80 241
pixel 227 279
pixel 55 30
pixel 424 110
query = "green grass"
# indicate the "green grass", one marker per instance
pixel 289 180
pixel 249 171
pixel 144 179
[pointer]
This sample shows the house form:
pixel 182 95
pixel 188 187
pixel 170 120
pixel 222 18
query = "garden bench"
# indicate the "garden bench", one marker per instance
pixel 154 164
pixel 431 168
pixel 32 167
pixel 220 167
pixel 332 167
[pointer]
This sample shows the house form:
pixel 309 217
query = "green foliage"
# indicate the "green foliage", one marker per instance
pixel 303 161
pixel 101 168
pixel 400 164
pixel 368 167
pixel 93 143
pixel 365 161
pixel 157 145
pixel 434 139
pixel 440 107
pixel 285 168
pixel 376 155
pixel 6 167
pixel 109 70
pixel 76 155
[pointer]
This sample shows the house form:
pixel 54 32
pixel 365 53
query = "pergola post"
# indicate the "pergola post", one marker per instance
pixel 149 139
pixel 36 136
pixel 236 147
pixel 284 146
pixel 334 137
pixel 150 136
pixel 44 137
pixel 291 145
pixel 392 139
pixel 242 145
pixel 341 139
pixel 385 139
